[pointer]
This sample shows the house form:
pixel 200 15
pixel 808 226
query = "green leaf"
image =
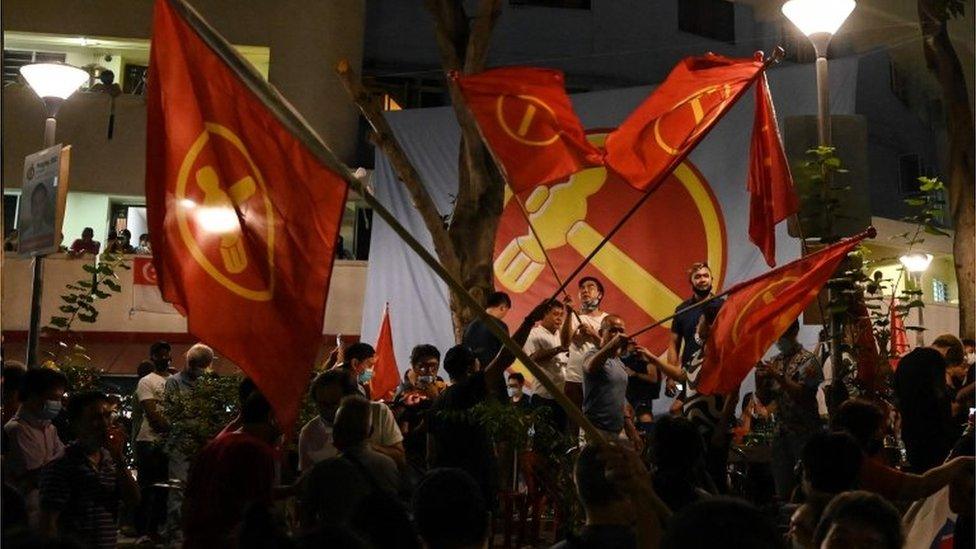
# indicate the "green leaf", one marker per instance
pixel 59 321
pixel 114 286
pixel 88 317
pixel 85 284
pixel 67 309
pixel 89 268
pixel 69 298
pixel 916 201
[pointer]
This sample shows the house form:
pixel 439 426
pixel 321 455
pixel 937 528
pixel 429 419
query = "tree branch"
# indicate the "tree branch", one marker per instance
pixel 480 36
pixel 384 138
pixel 451 30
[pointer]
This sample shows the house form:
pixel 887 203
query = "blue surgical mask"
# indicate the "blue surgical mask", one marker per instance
pixel 365 376
pixel 50 410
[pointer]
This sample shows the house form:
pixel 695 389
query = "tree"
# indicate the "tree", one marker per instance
pixel 464 240
pixel 943 62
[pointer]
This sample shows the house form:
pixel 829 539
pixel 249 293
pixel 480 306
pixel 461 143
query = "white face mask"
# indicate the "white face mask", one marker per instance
pixel 971 359
pixel 514 392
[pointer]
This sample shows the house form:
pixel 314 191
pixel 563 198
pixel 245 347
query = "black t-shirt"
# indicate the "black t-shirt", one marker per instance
pixel 640 391
pixel 686 326
pixel 479 339
pixel 459 439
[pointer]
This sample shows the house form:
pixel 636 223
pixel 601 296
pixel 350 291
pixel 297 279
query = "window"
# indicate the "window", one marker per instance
pixel 134 79
pixel 940 291
pixel 9 213
pixel 709 18
pixel 14 59
pixel 909 170
pixel 567 4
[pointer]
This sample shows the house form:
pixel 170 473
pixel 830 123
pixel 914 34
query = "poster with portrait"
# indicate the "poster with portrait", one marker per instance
pixel 42 201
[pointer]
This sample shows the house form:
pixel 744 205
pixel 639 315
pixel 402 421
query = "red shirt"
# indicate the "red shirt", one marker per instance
pixel 90 247
pixel 231 472
pixel 878 477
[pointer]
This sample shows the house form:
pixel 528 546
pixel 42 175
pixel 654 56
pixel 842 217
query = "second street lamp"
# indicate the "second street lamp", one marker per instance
pixel 53 83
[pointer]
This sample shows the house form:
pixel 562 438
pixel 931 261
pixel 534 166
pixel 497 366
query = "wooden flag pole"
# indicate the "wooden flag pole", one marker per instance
pixel 300 128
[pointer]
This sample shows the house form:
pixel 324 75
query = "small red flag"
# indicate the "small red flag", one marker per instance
pixel 658 136
pixel 899 336
pixel 244 218
pixel 770 182
pixel 758 311
pixel 386 375
pixel 865 344
pixel 527 121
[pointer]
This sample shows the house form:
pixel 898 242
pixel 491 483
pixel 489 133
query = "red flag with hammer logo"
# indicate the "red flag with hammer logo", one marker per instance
pixel 758 311
pixel 657 136
pixel 244 218
pixel 770 183
pixel 527 121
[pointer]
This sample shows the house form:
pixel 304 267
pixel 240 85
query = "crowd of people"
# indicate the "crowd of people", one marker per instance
pixel 426 469
pixel 116 243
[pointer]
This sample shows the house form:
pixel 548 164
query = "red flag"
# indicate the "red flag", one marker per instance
pixel 244 218
pixel 758 311
pixel 656 137
pixel 529 124
pixel 866 345
pixel 770 182
pixel 899 336
pixel 386 375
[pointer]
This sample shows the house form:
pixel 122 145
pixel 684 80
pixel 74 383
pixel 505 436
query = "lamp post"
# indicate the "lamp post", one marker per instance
pixel 819 20
pixel 53 83
pixel 916 264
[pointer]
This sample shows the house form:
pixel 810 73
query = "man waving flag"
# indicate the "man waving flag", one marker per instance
pixel 758 311
pixel 244 217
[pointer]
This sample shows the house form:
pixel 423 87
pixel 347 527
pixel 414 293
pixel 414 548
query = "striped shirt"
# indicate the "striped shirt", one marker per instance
pixel 85 495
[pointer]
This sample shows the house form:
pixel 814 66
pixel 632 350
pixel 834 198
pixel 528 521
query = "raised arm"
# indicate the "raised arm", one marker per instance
pixel 669 369
pixel 505 358
pixel 600 357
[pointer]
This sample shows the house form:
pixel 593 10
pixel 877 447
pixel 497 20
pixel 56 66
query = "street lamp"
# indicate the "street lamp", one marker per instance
pixel 916 264
pixel 819 20
pixel 53 83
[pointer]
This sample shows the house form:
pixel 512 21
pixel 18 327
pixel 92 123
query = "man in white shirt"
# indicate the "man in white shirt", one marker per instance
pixel 151 460
pixel 316 442
pixel 581 335
pixel 353 423
pixel 546 348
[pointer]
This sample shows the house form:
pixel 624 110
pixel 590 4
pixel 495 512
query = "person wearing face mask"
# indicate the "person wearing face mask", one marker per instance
pixel 580 335
pixel 199 359
pixel 796 374
pixel 359 360
pixel 31 439
pixel 413 399
pixel 315 441
pixel 684 343
pixel 81 491
pixel 515 390
pixel 152 460
pixel 231 473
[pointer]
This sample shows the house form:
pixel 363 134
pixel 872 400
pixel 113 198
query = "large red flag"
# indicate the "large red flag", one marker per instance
pixel 656 137
pixel 758 311
pixel 386 375
pixel 244 218
pixel 769 182
pixel 528 122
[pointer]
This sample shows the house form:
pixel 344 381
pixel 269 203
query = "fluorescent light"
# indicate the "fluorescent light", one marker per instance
pixel 818 16
pixel 53 79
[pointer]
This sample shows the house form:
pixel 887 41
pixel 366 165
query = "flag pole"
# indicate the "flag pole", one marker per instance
pixel 679 312
pixel 289 117
pixel 776 57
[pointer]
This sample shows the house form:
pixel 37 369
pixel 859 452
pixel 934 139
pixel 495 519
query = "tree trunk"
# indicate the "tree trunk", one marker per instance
pixel 944 63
